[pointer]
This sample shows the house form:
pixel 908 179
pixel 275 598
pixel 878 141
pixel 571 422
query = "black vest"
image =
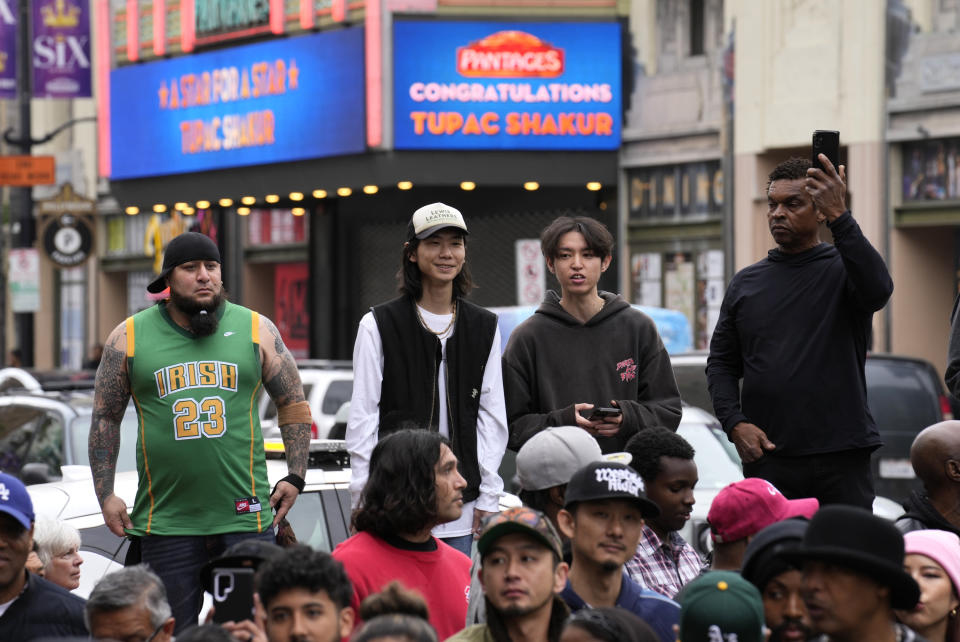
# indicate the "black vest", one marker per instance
pixel 411 362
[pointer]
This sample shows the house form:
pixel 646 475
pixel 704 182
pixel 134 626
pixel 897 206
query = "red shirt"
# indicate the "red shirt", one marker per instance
pixel 441 576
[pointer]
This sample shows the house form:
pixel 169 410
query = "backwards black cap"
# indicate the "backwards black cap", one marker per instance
pixel 189 246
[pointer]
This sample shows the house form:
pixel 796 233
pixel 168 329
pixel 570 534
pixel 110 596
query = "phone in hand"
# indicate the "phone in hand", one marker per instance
pixel 600 413
pixel 826 142
pixel 232 594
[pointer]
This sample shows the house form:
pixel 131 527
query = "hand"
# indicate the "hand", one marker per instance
pixel 751 442
pixel 606 427
pixel 282 499
pixel 246 631
pixel 827 188
pixel 115 515
pixel 478 517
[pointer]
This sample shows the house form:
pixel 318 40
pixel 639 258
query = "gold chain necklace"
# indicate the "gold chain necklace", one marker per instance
pixel 453 318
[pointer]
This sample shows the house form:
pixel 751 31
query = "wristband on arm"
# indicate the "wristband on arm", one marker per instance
pixel 294 480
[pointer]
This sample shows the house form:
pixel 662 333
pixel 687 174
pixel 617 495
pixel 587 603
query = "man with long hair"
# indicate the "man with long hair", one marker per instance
pixel 432 358
pixel 414 485
pixel 193 364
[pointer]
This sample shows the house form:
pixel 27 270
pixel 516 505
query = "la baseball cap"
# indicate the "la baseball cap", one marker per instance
pixel 432 218
pixel 608 480
pixel 746 507
pixel 15 500
pixel 523 520
pixel 721 605
pixel 189 246
pixel 552 456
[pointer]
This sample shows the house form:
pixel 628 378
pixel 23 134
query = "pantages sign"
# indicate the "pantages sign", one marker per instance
pixel 219 20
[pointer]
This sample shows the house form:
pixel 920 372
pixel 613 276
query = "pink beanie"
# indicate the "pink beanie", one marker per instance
pixel 940 546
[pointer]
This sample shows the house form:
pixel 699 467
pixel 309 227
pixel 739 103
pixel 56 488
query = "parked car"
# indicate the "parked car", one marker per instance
pixel 42 432
pixel 905 395
pixel 326 386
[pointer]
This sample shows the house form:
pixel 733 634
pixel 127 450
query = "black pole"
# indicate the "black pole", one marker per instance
pixel 23 321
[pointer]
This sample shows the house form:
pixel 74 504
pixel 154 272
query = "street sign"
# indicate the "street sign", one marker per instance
pixel 27 171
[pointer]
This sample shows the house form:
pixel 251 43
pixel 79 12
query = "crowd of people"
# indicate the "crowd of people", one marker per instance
pixel 585 395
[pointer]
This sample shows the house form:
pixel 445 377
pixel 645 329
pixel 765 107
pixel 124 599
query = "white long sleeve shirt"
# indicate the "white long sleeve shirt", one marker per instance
pixel 363 423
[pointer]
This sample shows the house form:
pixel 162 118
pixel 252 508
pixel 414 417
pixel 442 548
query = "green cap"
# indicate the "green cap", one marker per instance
pixel 719 604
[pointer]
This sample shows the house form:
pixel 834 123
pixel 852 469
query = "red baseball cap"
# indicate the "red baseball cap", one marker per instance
pixel 746 507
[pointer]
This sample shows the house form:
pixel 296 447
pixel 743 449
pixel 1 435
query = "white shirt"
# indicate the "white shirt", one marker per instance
pixel 363 423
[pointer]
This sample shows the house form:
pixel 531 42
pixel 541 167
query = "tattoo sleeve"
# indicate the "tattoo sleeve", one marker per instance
pixel 282 382
pixel 110 397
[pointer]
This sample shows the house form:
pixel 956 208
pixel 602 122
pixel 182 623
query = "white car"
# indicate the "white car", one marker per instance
pixel 327 385
pixel 320 517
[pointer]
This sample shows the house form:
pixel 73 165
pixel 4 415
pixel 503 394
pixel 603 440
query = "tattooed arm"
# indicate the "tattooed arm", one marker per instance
pixel 110 397
pixel 282 382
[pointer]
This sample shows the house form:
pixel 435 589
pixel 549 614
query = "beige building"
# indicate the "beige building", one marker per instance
pixel 796 67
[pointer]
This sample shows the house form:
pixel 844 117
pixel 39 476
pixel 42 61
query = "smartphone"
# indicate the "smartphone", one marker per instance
pixel 232 594
pixel 826 142
pixel 599 412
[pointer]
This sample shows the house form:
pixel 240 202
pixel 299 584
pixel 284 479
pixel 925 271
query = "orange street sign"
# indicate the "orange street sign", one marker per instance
pixel 27 171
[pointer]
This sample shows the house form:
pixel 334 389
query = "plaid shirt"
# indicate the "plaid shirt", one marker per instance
pixel 661 566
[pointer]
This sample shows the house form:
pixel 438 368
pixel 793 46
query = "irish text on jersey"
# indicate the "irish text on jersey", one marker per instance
pixel 196 374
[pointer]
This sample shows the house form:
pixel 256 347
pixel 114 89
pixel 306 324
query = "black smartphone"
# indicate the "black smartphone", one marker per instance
pixel 232 594
pixel 827 142
pixel 600 412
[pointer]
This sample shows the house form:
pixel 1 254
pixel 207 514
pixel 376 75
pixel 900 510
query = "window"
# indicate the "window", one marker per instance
pixel 696 28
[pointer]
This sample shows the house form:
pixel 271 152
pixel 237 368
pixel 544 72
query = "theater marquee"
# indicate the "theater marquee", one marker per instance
pixel 498 85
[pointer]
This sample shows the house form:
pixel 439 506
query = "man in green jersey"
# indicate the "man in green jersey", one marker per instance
pixel 194 364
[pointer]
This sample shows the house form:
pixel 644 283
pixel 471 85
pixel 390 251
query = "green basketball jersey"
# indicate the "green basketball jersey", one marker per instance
pixel 199 449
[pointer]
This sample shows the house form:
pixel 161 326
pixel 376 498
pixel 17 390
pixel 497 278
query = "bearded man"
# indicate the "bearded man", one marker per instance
pixel 193 363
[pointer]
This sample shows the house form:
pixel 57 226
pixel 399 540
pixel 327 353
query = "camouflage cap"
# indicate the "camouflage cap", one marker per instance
pixel 523 520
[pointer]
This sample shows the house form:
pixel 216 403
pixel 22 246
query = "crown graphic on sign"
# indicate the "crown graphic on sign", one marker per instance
pixel 65 15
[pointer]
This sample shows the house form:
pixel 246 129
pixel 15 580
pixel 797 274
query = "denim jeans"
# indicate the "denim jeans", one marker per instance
pixel 463 543
pixel 177 559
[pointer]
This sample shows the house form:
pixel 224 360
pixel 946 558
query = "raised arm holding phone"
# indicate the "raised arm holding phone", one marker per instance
pixel 795 328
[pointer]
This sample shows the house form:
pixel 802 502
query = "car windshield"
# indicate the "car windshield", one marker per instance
pixel 901 396
pixel 80 430
pixel 717 466
pixel 338 393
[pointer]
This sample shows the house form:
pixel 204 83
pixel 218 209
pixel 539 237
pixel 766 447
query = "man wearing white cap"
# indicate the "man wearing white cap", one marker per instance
pixel 429 359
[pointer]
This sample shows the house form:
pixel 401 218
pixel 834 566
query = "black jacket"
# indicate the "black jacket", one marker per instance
pixel 920 515
pixel 43 610
pixel 796 329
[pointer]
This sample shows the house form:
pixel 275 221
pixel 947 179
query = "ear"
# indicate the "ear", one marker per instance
pixel 168 627
pixel 347 616
pixel 952 469
pixel 606 263
pixel 550 265
pixel 560 577
pixel 566 522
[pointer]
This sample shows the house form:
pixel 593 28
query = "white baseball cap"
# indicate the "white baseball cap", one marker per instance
pixel 432 218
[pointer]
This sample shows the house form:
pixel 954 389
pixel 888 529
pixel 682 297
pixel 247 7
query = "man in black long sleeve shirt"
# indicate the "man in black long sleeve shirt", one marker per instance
pixel 795 328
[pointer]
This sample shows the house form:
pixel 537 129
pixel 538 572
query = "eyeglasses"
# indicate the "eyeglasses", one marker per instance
pixel 133 638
